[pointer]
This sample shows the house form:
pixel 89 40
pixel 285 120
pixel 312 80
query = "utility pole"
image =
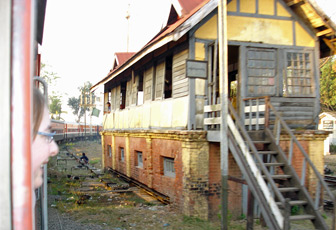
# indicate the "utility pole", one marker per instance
pixel 128 25
pixel 223 76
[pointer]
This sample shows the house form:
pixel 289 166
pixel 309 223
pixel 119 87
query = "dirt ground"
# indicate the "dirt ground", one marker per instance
pixel 83 197
pixel 330 162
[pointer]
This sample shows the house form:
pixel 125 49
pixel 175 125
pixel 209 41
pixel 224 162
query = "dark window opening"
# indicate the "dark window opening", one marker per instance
pixel 140 96
pixel 121 154
pixel 139 159
pixel 123 95
pixel 168 83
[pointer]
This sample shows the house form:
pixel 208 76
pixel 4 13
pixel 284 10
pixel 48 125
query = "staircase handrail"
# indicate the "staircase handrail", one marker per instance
pixel 257 157
pixel 306 157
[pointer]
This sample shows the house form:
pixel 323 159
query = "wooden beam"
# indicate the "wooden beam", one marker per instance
pixel 324 32
pixel 295 2
pixel 330 44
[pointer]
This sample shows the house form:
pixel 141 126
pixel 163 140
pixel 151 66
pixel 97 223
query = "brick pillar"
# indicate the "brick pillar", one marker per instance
pixel 312 142
pixel 128 156
pixel 114 156
pixel 195 160
pixel 103 149
pixel 149 156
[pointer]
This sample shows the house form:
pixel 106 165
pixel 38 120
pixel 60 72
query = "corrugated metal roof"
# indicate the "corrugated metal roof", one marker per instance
pixel 120 58
pixel 189 5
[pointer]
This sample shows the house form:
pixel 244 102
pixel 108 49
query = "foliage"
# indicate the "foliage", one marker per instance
pixel 55 100
pixel 49 76
pixel 55 107
pixel 328 85
pixel 332 148
pixel 75 102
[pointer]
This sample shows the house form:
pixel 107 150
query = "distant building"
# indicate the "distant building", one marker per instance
pixel 328 123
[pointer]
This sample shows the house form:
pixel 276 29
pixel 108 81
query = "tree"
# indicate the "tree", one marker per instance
pixel 49 76
pixel 74 104
pixel 55 100
pixel 328 85
pixel 55 107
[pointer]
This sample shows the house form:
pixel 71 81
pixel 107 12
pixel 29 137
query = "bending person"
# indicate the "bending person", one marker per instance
pixel 84 159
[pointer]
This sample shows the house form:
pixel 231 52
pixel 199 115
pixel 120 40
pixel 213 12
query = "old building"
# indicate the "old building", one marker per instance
pixel 162 127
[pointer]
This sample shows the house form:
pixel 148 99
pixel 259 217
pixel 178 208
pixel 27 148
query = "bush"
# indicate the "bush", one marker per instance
pixel 332 148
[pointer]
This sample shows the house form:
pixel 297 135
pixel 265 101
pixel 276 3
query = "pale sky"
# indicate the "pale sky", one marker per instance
pixel 81 36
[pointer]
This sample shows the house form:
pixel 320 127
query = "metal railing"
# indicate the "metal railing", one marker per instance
pixel 261 110
pixel 281 128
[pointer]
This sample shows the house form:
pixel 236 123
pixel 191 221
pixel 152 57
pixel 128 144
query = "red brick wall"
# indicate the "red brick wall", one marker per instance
pixel 169 186
pixel 140 174
pixel 120 166
pixel 235 189
pixel 107 158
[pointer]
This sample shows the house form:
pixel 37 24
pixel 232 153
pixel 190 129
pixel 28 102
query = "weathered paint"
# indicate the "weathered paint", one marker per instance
pixel 160 114
pixel 257 29
pixel 200 87
pixel 302 37
pixel 263 30
pixel 232 6
pixel 266 7
pixel 199 51
pixel 208 30
pixel 247 6
pixel 281 11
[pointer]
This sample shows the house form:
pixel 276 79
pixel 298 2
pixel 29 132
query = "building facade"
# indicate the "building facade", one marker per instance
pixel 155 130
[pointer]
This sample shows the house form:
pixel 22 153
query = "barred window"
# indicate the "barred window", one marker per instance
pixel 139 159
pixel 168 167
pixel 122 154
pixel 109 150
pixel 299 74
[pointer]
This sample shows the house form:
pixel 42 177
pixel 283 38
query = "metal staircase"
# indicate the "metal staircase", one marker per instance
pixel 268 169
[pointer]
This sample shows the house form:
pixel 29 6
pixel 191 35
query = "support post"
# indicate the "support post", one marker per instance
pixel 250 211
pixel 21 112
pixel 223 76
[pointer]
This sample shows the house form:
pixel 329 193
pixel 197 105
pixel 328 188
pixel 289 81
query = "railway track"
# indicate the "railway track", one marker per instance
pixel 331 180
pixel 154 194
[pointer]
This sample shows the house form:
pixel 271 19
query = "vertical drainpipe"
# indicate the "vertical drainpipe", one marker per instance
pixel 223 76
pixel 21 94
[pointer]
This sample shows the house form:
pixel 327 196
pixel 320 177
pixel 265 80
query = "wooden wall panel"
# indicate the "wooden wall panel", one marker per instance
pixel 180 82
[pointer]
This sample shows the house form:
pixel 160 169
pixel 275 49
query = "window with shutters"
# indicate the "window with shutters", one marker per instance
pixel 261 72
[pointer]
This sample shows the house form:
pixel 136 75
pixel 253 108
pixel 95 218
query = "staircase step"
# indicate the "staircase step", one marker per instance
pixel 280 176
pixel 267 152
pixel 261 142
pixel 294 202
pixel 301 217
pixel 289 189
pixel 274 164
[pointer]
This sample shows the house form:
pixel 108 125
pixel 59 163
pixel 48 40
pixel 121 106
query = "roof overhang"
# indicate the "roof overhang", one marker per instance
pixel 308 10
pixel 319 22
pixel 186 24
